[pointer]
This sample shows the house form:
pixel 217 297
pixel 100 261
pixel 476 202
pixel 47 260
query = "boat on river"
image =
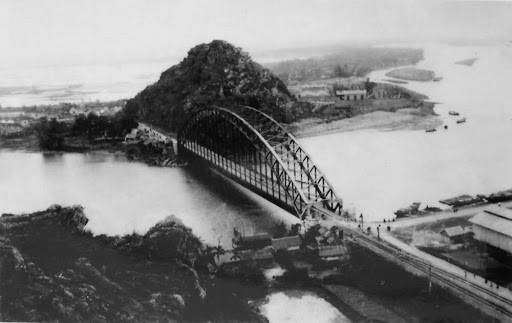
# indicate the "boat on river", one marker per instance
pixel 500 196
pixel 461 120
pixel 453 113
pixel 431 130
pixel 462 200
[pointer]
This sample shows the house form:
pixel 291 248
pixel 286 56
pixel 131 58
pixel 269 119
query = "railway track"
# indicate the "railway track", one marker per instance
pixel 461 286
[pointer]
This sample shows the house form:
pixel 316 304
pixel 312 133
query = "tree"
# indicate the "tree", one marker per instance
pixel 295 229
pixel 80 128
pixel 218 251
pixel 51 134
pixel 280 230
pixel 340 71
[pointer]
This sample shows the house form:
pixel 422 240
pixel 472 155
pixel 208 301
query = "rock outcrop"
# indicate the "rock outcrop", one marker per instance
pixel 217 73
pixel 53 269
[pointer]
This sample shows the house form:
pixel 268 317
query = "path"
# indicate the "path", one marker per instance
pixel 462 212
pixel 473 289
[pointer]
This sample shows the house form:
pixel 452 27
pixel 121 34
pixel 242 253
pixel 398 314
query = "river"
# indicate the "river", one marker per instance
pixel 378 172
pixel 121 197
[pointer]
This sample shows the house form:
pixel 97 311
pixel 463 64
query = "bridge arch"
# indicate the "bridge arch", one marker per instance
pixel 256 151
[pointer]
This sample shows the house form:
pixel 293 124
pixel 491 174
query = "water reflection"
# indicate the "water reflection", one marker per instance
pixel 299 306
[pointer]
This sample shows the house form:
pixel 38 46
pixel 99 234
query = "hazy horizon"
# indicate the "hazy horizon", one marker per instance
pixel 58 32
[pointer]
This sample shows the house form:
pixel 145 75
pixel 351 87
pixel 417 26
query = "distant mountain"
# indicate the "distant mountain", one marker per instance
pixel 217 73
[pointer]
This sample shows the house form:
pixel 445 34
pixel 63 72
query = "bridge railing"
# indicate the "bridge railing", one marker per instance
pixel 257 151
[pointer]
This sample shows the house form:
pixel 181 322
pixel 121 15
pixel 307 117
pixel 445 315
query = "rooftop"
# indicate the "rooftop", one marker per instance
pixel 331 251
pixel 454 231
pixel 343 92
pixel 286 242
pixel 499 211
pixel 256 237
pixel 495 218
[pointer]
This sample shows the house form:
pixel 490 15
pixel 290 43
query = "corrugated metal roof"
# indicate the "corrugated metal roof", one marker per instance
pixel 344 92
pixel 454 231
pixel 493 222
pixel 331 251
pixel 499 211
pixel 256 237
pixel 286 242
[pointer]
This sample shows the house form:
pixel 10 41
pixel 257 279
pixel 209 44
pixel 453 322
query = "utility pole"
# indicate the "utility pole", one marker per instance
pixel 429 280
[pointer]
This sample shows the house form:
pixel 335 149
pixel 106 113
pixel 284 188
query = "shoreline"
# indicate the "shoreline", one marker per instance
pixel 30 144
pixel 404 119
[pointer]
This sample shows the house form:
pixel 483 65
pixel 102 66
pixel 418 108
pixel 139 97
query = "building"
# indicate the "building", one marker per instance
pixel 494 227
pixel 287 243
pixel 260 255
pixel 131 138
pixel 330 253
pixel 256 241
pixel 454 233
pixel 379 94
pixel 351 95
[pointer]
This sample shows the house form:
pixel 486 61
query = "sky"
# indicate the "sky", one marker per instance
pixel 52 32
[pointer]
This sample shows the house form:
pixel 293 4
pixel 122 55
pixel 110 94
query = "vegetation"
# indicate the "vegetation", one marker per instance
pixel 345 62
pixel 52 134
pixel 92 127
pixel 217 73
pixel 55 270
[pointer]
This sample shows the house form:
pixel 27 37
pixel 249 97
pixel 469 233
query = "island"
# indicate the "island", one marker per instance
pixel 467 62
pixel 412 74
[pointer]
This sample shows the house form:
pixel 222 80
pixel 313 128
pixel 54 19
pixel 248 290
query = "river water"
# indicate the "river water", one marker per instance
pixel 300 306
pixel 122 197
pixel 378 172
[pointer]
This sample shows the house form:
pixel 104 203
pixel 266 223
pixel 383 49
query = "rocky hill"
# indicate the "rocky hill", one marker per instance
pixel 53 270
pixel 217 73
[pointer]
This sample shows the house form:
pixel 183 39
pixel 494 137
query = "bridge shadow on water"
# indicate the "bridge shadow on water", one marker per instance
pixel 262 214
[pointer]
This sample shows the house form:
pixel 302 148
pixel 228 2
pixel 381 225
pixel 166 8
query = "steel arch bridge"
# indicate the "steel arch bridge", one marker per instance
pixel 253 149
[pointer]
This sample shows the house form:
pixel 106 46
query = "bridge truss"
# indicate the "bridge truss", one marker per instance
pixel 256 151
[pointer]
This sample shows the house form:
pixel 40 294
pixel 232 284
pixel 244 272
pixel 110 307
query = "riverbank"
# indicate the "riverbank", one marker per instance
pixel 136 153
pixel 382 290
pixel 408 119
pixel 367 288
pixel 53 269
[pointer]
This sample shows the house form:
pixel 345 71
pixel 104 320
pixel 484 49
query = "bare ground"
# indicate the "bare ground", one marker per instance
pixel 403 119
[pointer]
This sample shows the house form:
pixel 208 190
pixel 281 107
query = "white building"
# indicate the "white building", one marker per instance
pixel 350 95
pixel 494 226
